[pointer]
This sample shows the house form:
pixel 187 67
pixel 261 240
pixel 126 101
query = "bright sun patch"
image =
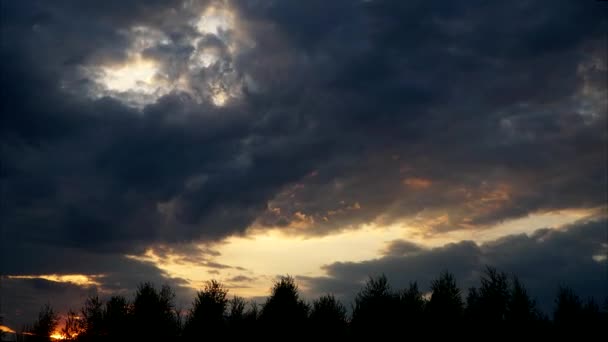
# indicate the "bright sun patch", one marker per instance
pixel 215 20
pixel 136 75
pixel 137 81
pixel 220 97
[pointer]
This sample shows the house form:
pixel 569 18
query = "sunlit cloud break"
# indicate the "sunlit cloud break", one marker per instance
pixel 77 279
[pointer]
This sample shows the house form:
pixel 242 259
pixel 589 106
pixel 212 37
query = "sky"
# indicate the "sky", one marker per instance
pixel 182 141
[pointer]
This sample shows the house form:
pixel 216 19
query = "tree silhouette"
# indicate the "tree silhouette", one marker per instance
pixel 489 303
pixel 72 327
pixel 498 308
pixel 206 318
pixel 154 317
pixel 251 317
pixel 45 325
pixel 473 310
pixel 592 319
pixel 236 317
pixel 573 318
pixel 116 318
pixel 242 321
pixel 445 307
pixel 521 309
pixel 376 310
pixel 237 310
pixel 284 312
pixel 568 308
pixel 91 322
pixel 412 305
pixel 328 317
pixel 591 311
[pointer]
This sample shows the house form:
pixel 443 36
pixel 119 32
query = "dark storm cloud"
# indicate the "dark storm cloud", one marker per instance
pixel 543 260
pixel 402 248
pixel 349 112
pixel 457 95
pixel 113 272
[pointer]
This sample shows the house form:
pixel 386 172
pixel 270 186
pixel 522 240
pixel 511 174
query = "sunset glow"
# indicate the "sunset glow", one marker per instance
pixel 263 253
pixel 57 336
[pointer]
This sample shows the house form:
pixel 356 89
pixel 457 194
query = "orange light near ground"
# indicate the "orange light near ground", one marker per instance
pixel 57 336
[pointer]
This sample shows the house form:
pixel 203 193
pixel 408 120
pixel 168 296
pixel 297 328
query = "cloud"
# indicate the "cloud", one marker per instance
pixel 113 177
pixel 543 260
pixel 240 279
pixel 402 248
pixel 307 116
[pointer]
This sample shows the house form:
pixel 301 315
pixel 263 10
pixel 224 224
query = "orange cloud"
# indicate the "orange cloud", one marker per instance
pixel 417 183
pixel 6 329
pixel 78 279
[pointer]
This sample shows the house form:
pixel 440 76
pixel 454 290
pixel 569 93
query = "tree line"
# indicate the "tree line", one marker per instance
pixel 500 306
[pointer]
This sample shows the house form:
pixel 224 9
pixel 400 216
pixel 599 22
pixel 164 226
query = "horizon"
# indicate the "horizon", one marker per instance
pixel 178 142
pixel 497 301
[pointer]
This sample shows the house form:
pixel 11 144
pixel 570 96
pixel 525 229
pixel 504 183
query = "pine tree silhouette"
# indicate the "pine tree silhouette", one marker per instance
pixel 206 318
pixel 494 296
pixel 116 318
pixel 521 309
pixel 284 312
pixel 328 317
pixel 568 308
pixel 498 308
pixel 376 312
pixel 412 305
pixel 153 315
pixel 445 307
